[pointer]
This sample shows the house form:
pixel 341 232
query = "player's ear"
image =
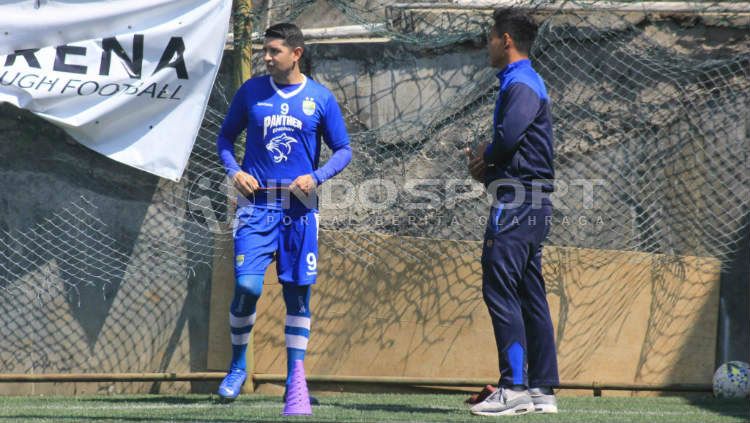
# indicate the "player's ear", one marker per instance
pixel 297 52
pixel 507 41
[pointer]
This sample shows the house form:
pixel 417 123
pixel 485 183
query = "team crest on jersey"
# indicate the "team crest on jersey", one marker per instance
pixel 308 106
pixel 281 147
pixel 240 259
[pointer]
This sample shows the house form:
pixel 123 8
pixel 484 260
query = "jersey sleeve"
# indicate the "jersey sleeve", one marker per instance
pixel 234 122
pixel 520 106
pixel 334 127
pixel 337 139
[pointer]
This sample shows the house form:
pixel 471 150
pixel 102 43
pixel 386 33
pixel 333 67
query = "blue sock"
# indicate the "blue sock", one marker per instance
pixel 297 327
pixel 247 290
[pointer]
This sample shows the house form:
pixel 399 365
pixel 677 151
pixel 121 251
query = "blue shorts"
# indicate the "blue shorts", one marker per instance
pixel 290 235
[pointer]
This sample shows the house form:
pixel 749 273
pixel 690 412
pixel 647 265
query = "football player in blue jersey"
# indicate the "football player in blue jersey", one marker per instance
pixel 517 169
pixel 286 115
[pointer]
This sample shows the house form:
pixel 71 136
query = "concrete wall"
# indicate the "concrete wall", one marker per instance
pixel 106 269
pixel 103 268
pixel 619 317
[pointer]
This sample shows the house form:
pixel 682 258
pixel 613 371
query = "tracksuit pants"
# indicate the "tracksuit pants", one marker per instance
pixel 514 291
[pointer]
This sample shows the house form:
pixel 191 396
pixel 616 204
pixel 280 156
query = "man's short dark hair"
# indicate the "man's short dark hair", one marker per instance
pixel 518 24
pixel 289 32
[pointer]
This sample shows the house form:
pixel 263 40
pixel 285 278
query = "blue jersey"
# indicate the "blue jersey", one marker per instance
pixel 284 127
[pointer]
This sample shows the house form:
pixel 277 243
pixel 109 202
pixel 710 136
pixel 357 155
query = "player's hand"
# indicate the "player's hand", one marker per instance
pixel 304 183
pixel 477 166
pixel 245 183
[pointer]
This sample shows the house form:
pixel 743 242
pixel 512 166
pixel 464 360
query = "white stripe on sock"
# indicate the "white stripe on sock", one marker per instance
pixel 298 321
pixel 296 341
pixel 241 322
pixel 241 339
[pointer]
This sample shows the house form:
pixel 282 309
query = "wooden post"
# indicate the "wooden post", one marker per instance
pixel 243 46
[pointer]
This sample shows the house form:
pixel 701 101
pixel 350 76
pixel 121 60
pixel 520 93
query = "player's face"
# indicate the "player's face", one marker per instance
pixel 280 58
pixel 496 49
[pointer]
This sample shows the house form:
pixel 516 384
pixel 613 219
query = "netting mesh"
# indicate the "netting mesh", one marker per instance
pixel 652 113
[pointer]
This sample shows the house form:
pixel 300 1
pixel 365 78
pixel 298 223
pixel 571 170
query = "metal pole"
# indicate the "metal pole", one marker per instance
pixel 587 6
pixel 421 381
pixel 374 380
pixel 109 377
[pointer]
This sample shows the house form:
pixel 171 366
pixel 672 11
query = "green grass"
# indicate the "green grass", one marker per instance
pixel 358 408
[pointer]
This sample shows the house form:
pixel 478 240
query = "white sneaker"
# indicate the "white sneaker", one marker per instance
pixel 543 403
pixel 504 402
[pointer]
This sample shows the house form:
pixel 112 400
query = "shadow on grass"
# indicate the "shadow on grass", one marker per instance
pixel 161 399
pixel 151 400
pixel 396 408
pixel 726 407
pixel 59 418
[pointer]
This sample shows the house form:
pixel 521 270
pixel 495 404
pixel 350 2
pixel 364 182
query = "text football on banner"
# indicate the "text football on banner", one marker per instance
pixel 127 78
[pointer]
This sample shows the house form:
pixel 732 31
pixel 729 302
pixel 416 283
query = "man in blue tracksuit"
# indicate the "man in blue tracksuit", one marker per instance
pixel 517 170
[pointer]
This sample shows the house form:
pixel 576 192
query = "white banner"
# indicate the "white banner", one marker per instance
pixel 127 78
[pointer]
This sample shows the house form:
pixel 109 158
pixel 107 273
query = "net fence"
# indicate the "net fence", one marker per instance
pixel 652 133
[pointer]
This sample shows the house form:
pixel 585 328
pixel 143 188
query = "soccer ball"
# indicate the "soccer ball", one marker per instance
pixel 732 380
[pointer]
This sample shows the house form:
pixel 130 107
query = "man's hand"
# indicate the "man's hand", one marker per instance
pixel 245 183
pixel 304 183
pixel 477 166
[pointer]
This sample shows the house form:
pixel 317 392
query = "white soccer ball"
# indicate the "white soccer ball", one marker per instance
pixel 732 380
